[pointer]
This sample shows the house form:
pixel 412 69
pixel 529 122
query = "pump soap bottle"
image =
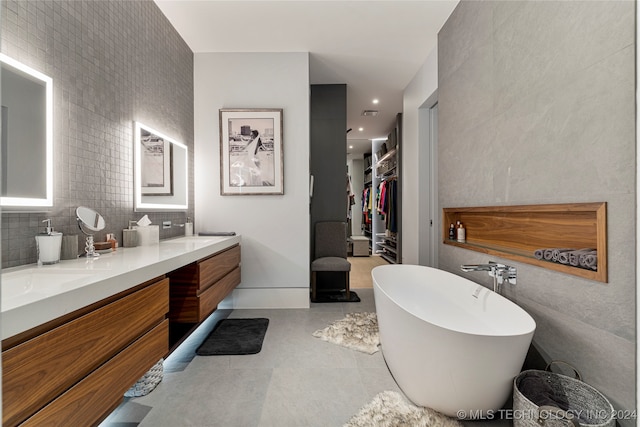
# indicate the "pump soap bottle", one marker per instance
pixel 48 245
pixel 188 227
pixel 452 232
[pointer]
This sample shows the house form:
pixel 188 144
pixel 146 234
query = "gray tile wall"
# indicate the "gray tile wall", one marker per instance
pixel 536 105
pixel 112 63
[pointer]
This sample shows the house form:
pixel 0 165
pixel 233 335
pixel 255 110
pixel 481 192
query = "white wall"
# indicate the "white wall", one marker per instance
pixel 421 87
pixel 274 229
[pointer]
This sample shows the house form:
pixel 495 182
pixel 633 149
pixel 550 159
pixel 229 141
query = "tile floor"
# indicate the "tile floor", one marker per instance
pixel 296 380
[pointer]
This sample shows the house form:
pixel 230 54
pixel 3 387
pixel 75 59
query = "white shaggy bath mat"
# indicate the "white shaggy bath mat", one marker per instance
pixel 390 409
pixel 358 331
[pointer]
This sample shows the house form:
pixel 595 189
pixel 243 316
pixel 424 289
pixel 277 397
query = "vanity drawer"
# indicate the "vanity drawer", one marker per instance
pixel 195 308
pixel 38 370
pixel 103 389
pixel 211 297
pixel 194 278
pixel 197 289
pixel 216 267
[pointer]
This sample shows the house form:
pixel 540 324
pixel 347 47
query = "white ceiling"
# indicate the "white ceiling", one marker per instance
pixel 374 47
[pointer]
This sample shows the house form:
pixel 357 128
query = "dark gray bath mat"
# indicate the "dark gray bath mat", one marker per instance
pixel 234 336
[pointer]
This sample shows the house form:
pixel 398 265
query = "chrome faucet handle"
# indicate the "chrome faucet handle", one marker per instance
pixel 503 272
pixel 511 275
pixel 506 272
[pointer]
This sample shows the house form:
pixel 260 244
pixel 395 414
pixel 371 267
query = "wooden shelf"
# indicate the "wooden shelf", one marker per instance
pixel 516 232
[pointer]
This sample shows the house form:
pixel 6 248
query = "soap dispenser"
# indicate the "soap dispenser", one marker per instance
pixel 188 227
pixel 48 245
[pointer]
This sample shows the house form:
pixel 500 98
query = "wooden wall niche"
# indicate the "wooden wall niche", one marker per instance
pixel 516 232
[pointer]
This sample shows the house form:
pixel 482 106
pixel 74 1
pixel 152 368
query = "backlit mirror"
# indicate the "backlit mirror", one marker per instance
pixel 161 174
pixel 27 136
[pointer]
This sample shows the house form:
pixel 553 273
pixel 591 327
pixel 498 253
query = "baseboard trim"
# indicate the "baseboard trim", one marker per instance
pixel 247 298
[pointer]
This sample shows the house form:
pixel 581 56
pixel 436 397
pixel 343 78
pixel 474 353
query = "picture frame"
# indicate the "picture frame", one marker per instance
pixel 251 153
pixel 156 162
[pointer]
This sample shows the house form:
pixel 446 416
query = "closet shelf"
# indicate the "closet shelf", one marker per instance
pixel 389 154
pixel 389 173
pixel 389 248
pixel 516 232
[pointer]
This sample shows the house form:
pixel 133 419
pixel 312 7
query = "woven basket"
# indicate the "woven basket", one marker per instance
pixel 587 406
pixel 148 382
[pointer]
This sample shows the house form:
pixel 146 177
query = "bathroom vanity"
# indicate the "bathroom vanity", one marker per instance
pixel 77 335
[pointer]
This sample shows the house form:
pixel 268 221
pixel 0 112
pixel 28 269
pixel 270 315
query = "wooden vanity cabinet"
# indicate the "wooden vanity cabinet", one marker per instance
pixel 75 370
pixel 198 288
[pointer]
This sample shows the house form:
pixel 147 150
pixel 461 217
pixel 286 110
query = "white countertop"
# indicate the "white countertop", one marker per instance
pixel 33 295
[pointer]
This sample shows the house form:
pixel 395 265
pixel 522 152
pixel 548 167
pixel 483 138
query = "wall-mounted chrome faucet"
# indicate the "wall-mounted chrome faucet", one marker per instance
pixel 499 272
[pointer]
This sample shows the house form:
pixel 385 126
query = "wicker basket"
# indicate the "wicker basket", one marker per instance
pixel 586 405
pixel 148 382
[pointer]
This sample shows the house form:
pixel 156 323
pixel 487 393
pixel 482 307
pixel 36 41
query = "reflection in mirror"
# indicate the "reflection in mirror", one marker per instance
pixel 161 174
pixel 89 221
pixel 27 136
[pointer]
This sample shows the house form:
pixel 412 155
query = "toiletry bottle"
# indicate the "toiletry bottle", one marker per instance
pixel 461 233
pixel 48 245
pixel 111 238
pixel 452 232
pixel 188 227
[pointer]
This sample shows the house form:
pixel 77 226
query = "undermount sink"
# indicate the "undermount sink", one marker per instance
pixel 191 239
pixel 39 281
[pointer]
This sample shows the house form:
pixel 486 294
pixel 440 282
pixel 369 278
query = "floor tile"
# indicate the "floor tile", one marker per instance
pixel 297 380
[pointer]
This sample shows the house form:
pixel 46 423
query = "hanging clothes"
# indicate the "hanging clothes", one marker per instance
pixel 382 208
pixel 391 220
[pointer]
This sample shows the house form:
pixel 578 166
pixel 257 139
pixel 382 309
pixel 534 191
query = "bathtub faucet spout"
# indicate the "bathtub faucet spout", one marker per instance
pixel 499 272
pixel 477 267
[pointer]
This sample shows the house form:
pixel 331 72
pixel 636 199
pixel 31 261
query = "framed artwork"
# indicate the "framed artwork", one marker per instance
pixel 156 162
pixel 251 156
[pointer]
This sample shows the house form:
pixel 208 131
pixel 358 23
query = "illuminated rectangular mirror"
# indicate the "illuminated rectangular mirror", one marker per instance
pixel 27 137
pixel 161 171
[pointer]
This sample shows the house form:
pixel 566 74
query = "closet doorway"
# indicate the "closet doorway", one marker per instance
pixel 361 266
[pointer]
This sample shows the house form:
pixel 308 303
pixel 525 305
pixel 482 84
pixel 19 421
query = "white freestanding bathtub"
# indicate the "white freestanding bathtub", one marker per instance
pixel 447 349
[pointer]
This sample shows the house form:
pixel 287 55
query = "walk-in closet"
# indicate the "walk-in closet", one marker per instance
pixel 381 196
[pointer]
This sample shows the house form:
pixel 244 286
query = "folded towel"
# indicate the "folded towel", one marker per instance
pixel 217 233
pixel 555 253
pixel 591 261
pixel 574 256
pixel 548 254
pixel 563 258
pixel 539 253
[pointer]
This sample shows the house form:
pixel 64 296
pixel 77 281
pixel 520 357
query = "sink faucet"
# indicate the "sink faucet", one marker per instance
pixel 499 272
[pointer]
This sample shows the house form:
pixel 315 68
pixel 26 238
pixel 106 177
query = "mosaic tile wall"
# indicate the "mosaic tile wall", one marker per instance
pixel 112 63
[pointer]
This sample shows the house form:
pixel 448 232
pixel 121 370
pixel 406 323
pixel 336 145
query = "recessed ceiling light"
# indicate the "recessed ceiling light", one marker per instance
pixel 375 101
pixel 360 129
pixel 351 146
